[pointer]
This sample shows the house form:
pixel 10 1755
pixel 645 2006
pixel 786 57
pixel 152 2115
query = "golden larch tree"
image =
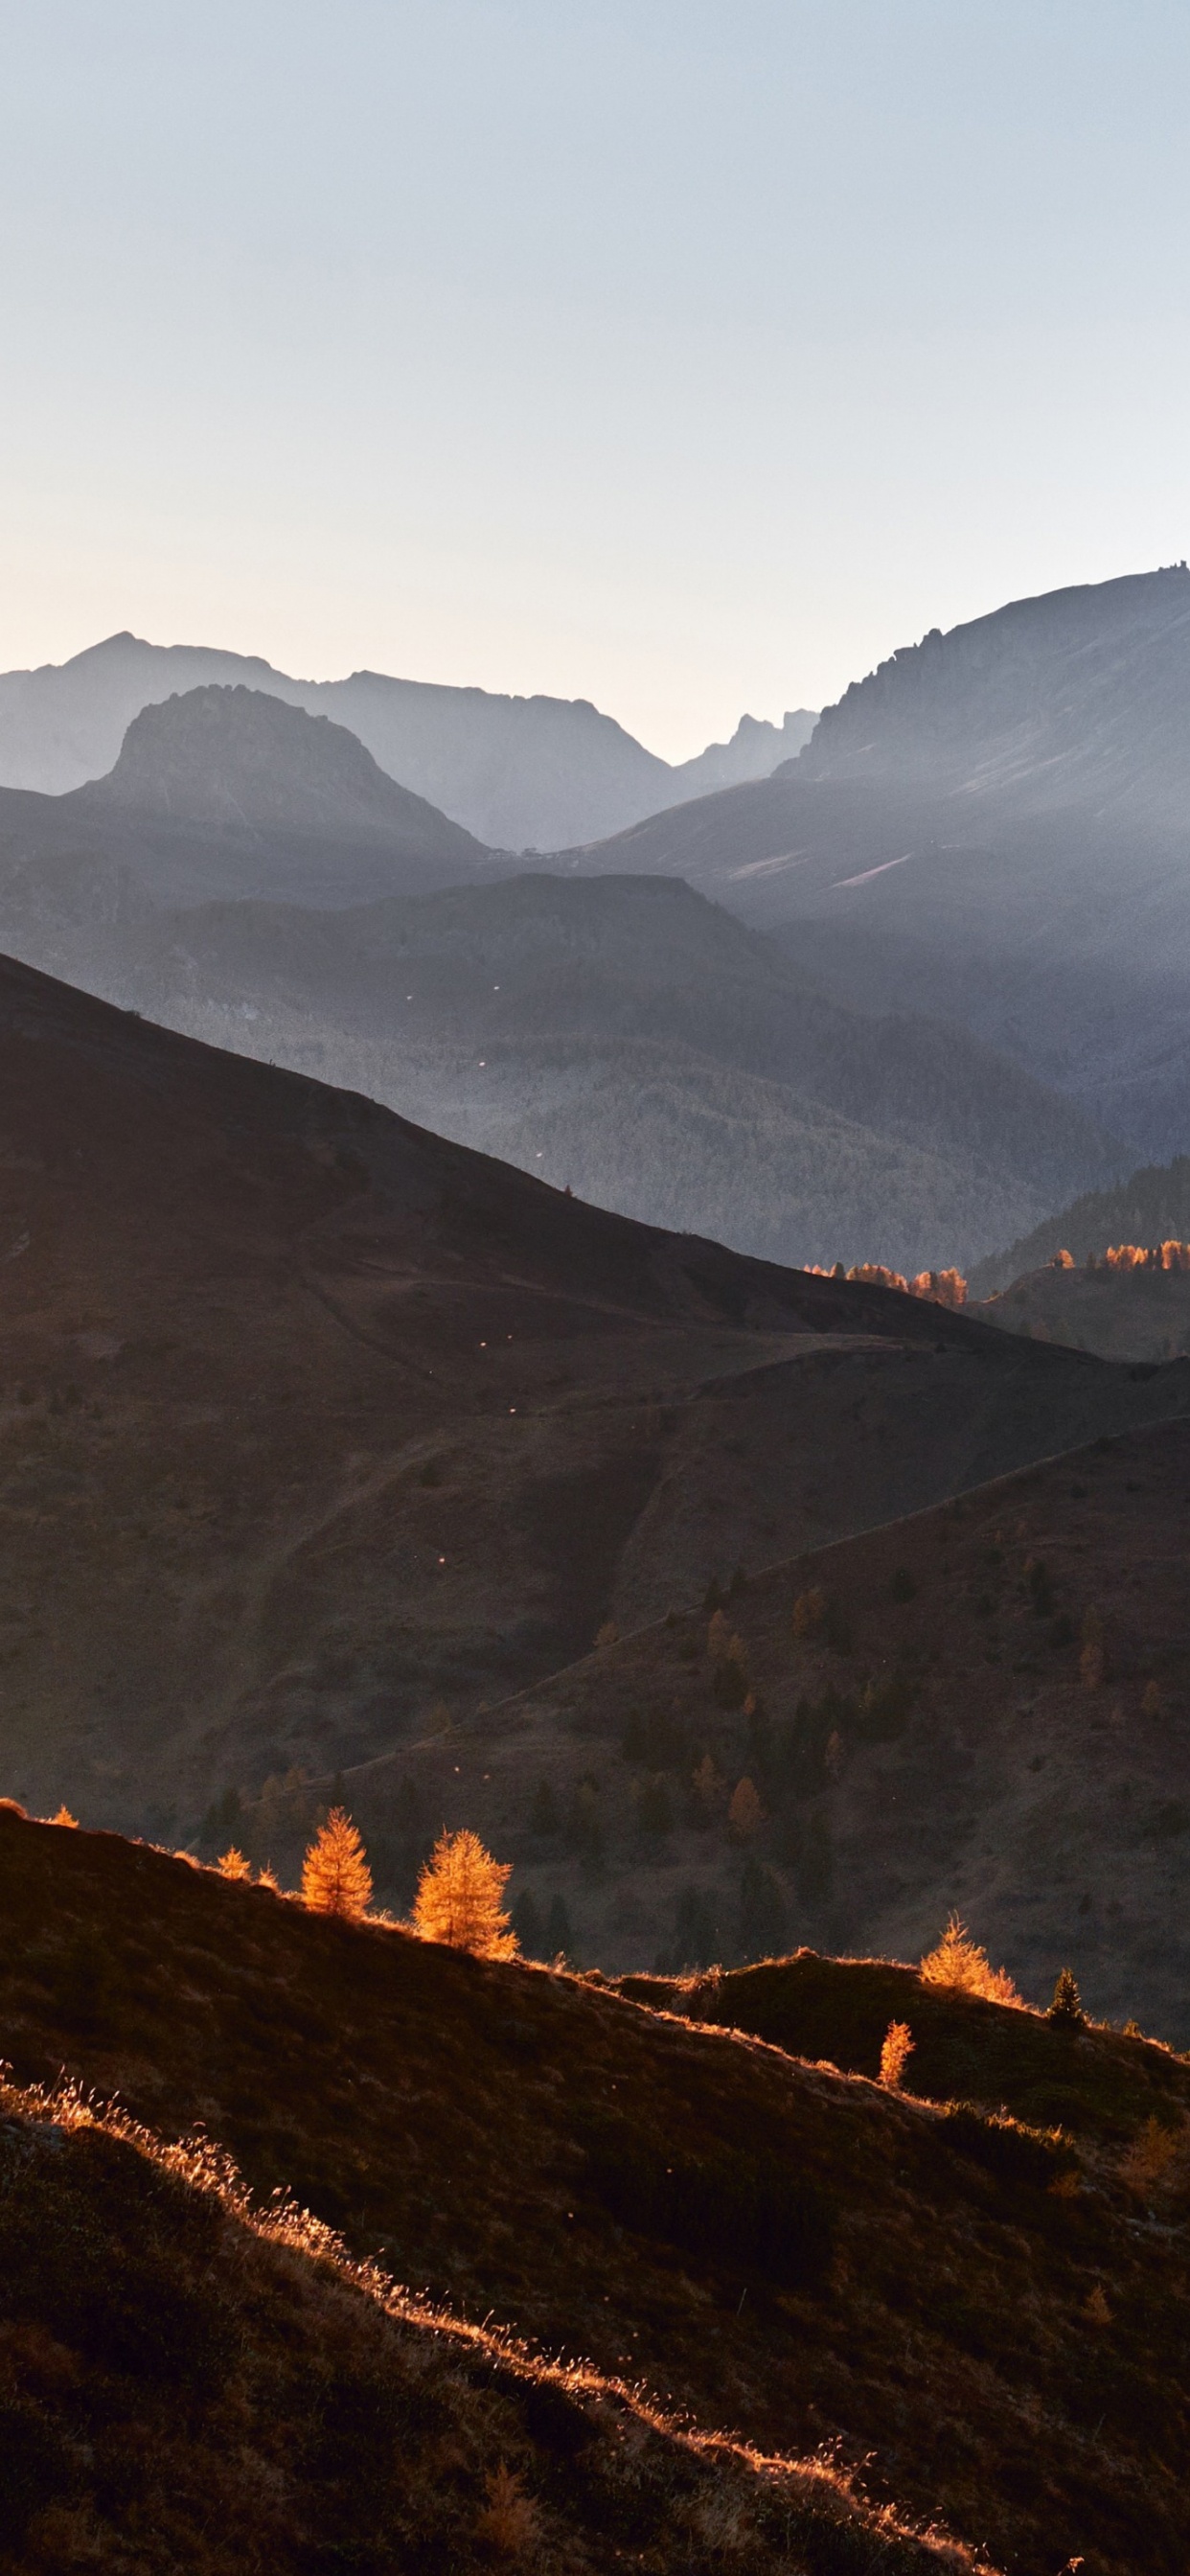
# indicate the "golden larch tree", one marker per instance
pixel 459 1898
pixel 336 1878
pixel 958 1961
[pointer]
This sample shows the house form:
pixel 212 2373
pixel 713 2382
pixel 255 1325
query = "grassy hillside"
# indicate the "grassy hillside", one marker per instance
pixel 187 2379
pixel 986 2314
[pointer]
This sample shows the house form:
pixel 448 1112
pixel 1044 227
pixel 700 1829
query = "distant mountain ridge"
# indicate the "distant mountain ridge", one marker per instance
pixel 518 773
pixel 1077 696
pixel 992 828
pixel 226 792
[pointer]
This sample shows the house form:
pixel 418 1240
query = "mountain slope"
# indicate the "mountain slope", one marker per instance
pixel 1078 697
pixel 311 1420
pixel 619 1034
pixel 830 2264
pixel 517 772
pixel 936 1739
pixel 187 2380
pixel 991 827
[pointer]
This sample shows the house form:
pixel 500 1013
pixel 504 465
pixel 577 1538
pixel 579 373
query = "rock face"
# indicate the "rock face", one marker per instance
pixel 1081 696
pixel 991 828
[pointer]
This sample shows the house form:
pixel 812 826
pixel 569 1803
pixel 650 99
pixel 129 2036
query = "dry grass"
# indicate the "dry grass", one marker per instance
pixel 187 2379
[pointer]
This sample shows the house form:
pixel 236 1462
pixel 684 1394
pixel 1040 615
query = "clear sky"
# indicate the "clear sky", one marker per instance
pixel 686 355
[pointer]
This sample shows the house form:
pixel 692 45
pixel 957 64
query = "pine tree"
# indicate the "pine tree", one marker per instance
pixel 459 1895
pixel 234 1865
pixel 336 1878
pixel 1066 2007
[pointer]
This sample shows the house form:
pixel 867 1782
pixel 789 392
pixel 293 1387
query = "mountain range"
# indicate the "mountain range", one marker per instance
pixel 621 1034
pixel 991 828
pixel 517 773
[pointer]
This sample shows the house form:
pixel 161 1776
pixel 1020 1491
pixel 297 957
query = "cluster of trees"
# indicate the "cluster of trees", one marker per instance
pixel 1133 1256
pixel 939 1287
pixel 459 1898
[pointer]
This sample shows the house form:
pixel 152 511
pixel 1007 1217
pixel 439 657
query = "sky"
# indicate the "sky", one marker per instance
pixel 684 355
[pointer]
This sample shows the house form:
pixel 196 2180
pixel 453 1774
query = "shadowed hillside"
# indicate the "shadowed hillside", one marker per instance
pixel 986 1706
pixel 311 1421
pixel 982 2312
pixel 185 2379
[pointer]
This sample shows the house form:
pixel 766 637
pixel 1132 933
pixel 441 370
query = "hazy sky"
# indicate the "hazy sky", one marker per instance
pixel 682 354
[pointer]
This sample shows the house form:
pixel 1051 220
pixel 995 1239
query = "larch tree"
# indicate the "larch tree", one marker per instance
pixel 336 1878
pixel 460 1898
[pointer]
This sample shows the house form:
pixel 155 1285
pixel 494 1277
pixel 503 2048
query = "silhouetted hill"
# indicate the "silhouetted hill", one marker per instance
pixel 759 2240
pixel 314 1421
pixel 517 772
pixel 235 759
pixel 224 792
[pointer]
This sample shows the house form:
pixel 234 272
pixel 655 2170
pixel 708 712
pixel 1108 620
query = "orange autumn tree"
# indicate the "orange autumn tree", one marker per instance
pixel 336 1878
pixel 459 1898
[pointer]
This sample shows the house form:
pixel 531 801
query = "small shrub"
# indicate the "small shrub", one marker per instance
pixel 64 1817
pixel 895 2053
pixel 459 1896
pixel 1066 2009
pixel 959 1962
pixel 336 1878
pixel 234 1865
pixel 607 1635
